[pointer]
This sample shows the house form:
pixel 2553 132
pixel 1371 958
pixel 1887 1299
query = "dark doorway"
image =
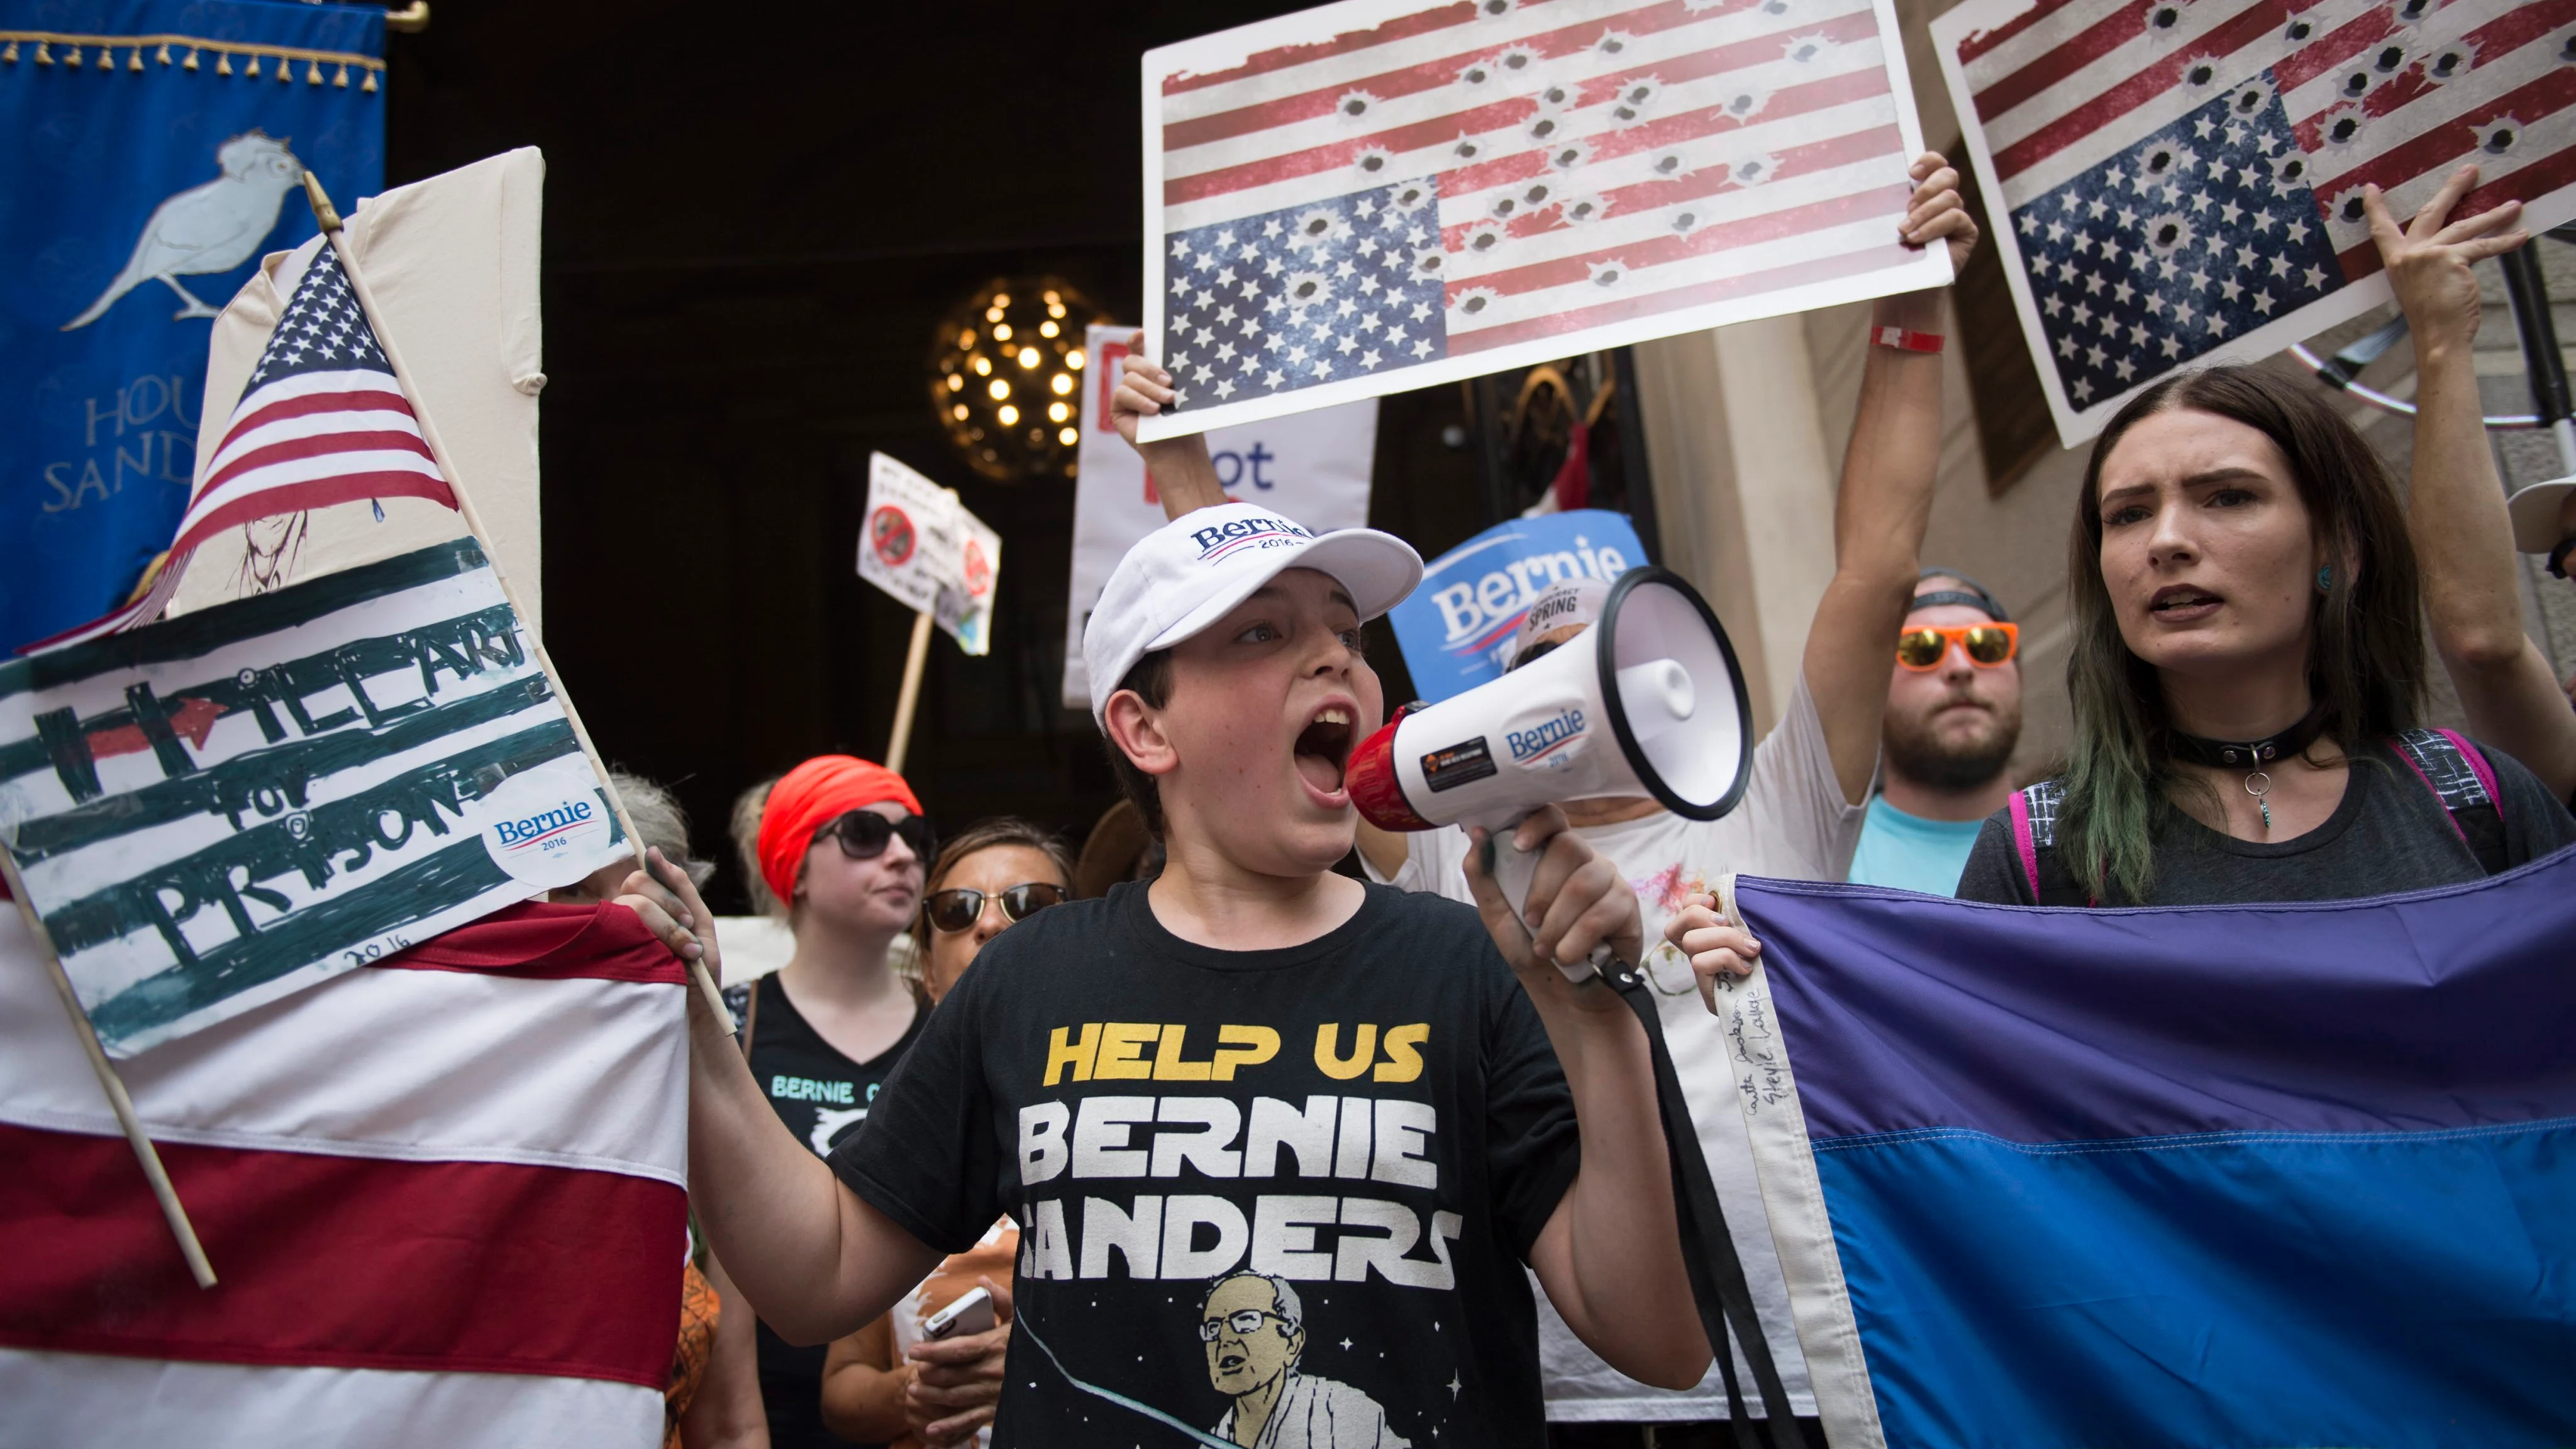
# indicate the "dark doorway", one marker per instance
pixel 752 228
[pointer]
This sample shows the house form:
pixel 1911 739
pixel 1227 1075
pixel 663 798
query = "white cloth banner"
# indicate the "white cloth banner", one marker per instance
pixel 1313 467
pixel 922 546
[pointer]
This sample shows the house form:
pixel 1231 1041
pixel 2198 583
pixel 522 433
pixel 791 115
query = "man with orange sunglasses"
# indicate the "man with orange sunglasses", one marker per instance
pixel 1953 718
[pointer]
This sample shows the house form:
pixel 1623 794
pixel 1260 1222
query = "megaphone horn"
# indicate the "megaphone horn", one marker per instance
pixel 1656 707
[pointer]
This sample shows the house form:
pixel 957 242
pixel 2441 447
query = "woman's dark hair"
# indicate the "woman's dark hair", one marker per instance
pixel 2365 658
pixel 1151 678
pixel 1000 830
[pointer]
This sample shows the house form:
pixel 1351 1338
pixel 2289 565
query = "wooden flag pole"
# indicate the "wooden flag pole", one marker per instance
pixel 328 217
pixel 123 1105
pixel 904 703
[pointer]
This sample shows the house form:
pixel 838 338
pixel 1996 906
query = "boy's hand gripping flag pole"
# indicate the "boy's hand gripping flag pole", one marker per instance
pixel 328 217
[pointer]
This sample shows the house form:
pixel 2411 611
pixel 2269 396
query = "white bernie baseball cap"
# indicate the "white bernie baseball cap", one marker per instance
pixel 2535 514
pixel 1191 572
pixel 1567 601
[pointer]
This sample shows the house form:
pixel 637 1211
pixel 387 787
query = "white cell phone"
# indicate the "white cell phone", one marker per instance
pixel 972 1313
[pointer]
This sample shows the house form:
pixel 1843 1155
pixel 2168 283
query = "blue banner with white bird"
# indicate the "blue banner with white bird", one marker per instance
pixel 156 152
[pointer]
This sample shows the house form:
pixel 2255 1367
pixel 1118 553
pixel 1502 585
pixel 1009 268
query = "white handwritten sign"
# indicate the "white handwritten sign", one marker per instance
pixel 922 546
pixel 212 812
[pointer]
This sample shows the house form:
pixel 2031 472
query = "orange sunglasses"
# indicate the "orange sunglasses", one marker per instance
pixel 1988 646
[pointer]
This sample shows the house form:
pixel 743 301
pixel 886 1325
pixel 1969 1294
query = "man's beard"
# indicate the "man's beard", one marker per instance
pixel 1918 752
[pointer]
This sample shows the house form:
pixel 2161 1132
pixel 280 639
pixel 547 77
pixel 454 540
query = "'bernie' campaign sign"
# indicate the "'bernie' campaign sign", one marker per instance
pixel 1457 628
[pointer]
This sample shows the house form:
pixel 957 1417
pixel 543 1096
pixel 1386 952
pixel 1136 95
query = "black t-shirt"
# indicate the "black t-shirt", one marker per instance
pixel 1344 1149
pixel 2389 834
pixel 822 1096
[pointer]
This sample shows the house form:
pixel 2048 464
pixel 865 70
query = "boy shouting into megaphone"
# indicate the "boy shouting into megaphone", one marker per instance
pixel 1278 1142
pixel 1811 780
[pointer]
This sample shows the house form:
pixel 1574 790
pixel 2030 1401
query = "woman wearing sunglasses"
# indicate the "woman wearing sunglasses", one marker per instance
pixel 842 847
pixel 1953 718
pixel 884 1384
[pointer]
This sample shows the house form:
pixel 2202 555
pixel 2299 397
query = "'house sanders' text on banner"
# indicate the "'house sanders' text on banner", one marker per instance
pixel 155 154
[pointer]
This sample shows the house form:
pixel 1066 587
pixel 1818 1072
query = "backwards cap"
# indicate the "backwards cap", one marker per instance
pixel 1971 593
pixel 1184 576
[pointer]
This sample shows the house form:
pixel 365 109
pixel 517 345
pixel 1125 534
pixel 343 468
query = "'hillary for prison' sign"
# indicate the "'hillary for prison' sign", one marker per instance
pixel 215 811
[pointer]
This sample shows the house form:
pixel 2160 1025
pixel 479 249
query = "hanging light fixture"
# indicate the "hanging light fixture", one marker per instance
pixel 1006 376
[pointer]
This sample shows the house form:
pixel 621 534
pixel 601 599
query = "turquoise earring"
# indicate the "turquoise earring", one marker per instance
pixel 2325 579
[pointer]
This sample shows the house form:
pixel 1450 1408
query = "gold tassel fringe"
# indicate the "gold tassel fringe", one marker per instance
pixel 100 52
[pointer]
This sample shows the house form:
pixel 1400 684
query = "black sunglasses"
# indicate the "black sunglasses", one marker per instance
pixel 862 835
pixel 959 909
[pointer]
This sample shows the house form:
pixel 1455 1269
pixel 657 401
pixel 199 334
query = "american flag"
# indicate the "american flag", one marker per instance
pixel 432 1228
pixel 2180 181
pixel 1386 187
pixel 323 420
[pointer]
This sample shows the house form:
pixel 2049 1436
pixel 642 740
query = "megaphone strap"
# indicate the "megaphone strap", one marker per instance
pixel 1717 1283
pixel 1726 900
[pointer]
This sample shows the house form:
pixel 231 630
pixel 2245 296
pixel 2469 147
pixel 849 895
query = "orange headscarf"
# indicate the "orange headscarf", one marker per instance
pixel 811 796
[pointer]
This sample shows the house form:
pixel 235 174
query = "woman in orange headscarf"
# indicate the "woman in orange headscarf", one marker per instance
pixel 842 846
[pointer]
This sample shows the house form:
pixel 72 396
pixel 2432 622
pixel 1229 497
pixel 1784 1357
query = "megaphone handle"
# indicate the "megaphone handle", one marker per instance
pixel 1514 870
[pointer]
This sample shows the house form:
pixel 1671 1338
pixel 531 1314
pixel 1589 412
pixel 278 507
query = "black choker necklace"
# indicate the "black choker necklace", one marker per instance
pixel 2251 756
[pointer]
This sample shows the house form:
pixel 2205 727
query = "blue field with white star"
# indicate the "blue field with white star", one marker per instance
pixel 2200 233
pixel 1283 300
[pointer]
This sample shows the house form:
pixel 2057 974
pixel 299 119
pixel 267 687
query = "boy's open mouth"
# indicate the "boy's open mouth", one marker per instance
pixel 1324 748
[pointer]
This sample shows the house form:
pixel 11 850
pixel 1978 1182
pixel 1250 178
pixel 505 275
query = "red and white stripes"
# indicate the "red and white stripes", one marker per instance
pixel 446 1196
pixel 2392 93
pixel 1593 164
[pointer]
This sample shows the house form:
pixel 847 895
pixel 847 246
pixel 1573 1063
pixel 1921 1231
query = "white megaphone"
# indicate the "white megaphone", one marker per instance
pixel 1654 706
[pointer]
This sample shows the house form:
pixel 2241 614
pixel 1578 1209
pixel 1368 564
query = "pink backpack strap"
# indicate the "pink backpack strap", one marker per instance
pixel 2413 755
pixel 2478 766
pixel 2023 845
pixel 2463 781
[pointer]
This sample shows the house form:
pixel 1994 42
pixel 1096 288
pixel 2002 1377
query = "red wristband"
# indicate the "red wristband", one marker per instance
pixel 1904 341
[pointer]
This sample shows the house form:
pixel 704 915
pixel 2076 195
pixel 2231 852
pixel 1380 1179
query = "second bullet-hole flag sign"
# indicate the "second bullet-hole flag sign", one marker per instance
pixel 2179 182
pixel 1379 195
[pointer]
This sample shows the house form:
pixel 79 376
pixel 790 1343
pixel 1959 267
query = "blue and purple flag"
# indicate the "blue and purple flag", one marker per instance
pixel 2243 1176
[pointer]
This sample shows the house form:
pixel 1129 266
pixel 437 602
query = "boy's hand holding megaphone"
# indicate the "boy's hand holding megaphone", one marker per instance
pixel 1648 701
pixel 1576 902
